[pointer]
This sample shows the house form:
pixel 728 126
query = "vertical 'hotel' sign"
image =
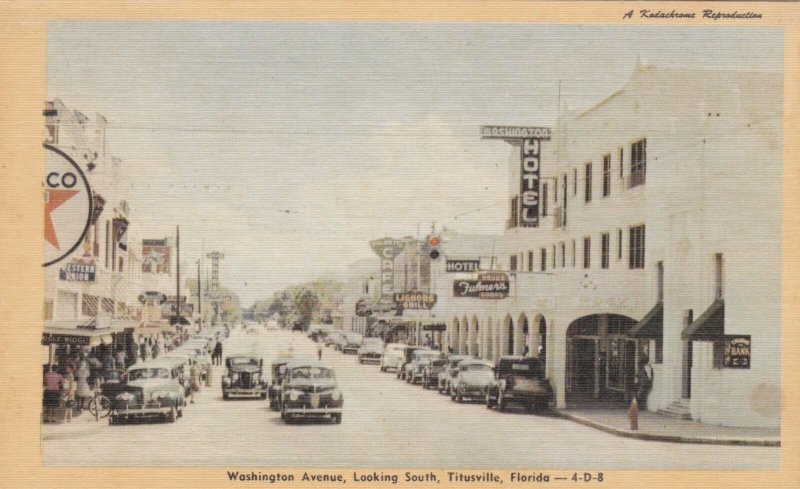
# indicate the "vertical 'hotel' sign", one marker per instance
pixel 529 140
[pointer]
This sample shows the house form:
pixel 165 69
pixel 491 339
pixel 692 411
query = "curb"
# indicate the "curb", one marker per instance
pixel 667 438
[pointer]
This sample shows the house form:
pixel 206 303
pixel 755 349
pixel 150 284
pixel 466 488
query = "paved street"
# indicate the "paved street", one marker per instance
pixel 386 424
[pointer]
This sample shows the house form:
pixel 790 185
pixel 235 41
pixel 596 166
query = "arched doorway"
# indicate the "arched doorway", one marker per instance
pixel 521 335
pixel 473 337
pixel 508 329
pixel 454 336
pixel 463 346
pixel 542 347
pixel 601 359
pixel 489 348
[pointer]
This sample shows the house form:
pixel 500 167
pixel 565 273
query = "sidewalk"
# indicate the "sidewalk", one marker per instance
pixel 656 427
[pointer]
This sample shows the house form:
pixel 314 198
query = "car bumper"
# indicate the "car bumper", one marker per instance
pixel 516 396
pixel 320 411
pixel 474 392
pixel 244 392
pixel 138 411
pixel 349 349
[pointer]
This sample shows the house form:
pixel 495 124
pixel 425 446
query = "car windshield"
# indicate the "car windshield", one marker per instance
pixel 476 367
pixel 148 373
pixel 524 368
pixel 243 361
pixel 311 373
pixel 354 337
pixel 373 342
pixel 426 355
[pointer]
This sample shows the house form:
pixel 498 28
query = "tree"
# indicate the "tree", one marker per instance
pixel 306 304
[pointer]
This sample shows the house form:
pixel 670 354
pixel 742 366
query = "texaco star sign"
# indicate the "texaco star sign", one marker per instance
pixel 67 205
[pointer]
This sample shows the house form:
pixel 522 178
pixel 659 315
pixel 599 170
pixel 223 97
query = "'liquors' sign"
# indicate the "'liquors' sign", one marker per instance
pixel 415 300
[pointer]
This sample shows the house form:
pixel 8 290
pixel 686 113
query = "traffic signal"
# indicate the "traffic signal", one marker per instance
pixel 433 247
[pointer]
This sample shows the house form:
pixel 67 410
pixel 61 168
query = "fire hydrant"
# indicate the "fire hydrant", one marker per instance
pixel 633 414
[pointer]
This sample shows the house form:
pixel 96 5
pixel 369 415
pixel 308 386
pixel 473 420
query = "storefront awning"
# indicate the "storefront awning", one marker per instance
pixel 709 326
pixel 81 333
pixel 651 325
pixel 179 320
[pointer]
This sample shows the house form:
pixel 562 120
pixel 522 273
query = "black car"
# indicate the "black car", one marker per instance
pixel 310 390
pixel 519 380
pixel 244 377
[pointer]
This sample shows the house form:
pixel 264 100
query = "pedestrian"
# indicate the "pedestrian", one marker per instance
pixel 644 382
pixel 525 352
pixel 148 349
pixel 109 366
pixel 53 382
pixel 218 353
pixel 194 379
pixel 319 352
pixel 156 349
pixel 83 392
pixel 69 394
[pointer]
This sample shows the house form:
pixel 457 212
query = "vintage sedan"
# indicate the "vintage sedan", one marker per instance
pixel 244 377
pixel 393 354
pixel 332 338
pixel 310 390
pixel 408 356
pixel 371 350
pixel 450 372
pixel 276 383
pixel 152 389
pixel 472 380
pixel 432 371
pixel 519 380
pixel 352 343
pixel 415 369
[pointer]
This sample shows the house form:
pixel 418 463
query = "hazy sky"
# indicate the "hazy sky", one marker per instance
pixel 360 130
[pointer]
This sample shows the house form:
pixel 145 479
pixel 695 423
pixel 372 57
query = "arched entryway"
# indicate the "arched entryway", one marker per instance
pixel 463 345
pixel 488 349
pixel 601 359
pixel 454 333
pixel 541 346
pixel 520 335
pixel 507 336
pixel 473 337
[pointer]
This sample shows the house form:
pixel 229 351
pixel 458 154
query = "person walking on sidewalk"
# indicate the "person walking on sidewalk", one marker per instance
pixel 194 379
pixel 644 382
pixel 69 394
pixel 52 393
pixel 218 353
pixel 83 391
pixel 319 352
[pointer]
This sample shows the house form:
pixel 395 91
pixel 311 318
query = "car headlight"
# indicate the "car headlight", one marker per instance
pixel 235 377
pixel 502 384
pixel 157 395
pixel 337 394
pixel 294 395
pixel 226 381
pixel 125 396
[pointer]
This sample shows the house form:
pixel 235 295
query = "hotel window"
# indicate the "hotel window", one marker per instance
pixel 660 281
pixel 619 244
pixel 719 276
pixel 530 261
pixel 638 163
pixel 513 264
pixel 514 212
pixel 587 252
pixel 555 190
pixel 553 256
pixel 636 247
pixel 574 181
pixel 543 264
pixel 563 255
pixel 544 200
pixel 588 189
pixel 605 242
pixel 606 175
pixel 48 309
pixel 573 254
pixel 621 162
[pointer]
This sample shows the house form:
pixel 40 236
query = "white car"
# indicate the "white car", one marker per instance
pixel 393 355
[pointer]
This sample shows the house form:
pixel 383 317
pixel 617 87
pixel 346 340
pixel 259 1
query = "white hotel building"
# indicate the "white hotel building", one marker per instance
pixel 659 235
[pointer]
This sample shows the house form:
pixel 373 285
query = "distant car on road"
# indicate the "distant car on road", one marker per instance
pixel 310 390
pixel 415 369
pixel 353 342
pixel 371 350
pixel 332 337
pixel 472 380
pixel 450 372
pixel 393 354
pixel 244 377
pixel 519 380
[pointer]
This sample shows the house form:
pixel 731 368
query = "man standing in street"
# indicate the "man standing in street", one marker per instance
pixel 644 382
pixel 217 358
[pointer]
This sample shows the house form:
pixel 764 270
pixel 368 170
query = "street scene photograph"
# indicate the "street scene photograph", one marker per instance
pixel 423 246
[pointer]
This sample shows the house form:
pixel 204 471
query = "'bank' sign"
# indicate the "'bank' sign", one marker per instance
pixel 737 352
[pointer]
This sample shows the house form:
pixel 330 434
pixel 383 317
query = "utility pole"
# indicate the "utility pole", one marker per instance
pixel 215 257
pixel 199 294
pixel 178 274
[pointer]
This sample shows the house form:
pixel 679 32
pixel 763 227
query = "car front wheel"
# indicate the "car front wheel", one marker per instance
pixel 337 418
pixel 488 401
pixel 501 402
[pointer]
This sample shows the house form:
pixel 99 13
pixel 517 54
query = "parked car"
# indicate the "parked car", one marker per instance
pixel 151 389
pixel 353 342
pixel 393 354
pixel 332 337
pixel 244 377
pixel 275 384
pixel 181 364
pixel 519 380
pixel 450 372
pixel 431 372
pixel 310 390
pixel 371 350
pixel 415 369
pixel 340 342
pixel 408 355
pixel 472 380
pixel 202 359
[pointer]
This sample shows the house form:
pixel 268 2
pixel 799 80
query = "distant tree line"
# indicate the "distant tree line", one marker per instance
pixel 298 306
